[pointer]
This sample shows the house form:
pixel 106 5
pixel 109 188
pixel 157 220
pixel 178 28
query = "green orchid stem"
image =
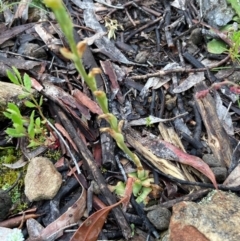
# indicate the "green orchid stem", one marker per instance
pixel 75 55
pixel 80 69
pixel 66 25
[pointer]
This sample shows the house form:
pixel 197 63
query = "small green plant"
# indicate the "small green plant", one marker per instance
pixel 30 127
pixel 234 49
pixel 148 122
pixel 75 54
pixel 217 46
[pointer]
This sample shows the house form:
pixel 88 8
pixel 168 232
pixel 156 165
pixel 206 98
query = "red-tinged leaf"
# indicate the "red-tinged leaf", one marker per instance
pixel 193 161
pixel 92 226
pixel 168 151
pixel 57 94
pixel 69 100
pixel 109 70
pixel 128 193
pixel 202 93
pixel 36 85
pixel 83 99
pixel 64 133
pixel 97 153
pixel 235 89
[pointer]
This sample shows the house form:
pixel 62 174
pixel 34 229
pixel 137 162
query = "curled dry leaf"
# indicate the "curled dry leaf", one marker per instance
pixel 190 160
pixel 168 151
pixel 71 216
pixel 92 226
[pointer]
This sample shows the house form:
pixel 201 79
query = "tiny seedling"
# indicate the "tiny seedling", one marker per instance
pixel 148 122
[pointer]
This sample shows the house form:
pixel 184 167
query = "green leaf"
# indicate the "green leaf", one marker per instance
pixel 14 133
pixel 216 47
pixel 12 108
pixel 8 115
pixel 144 193
pixel 29 104
pixel 235 37
pixel 235 5
pixel 27 82
pixel 23 96
pixel 120 188
pixel 33 143
pixel 17 73
pixel 31 132
pixel 13 78
pixel 38 122
pixel 19 128
pixel 17 119
pixel 41 100
pixel 137 186
pixel 236 19
pixel 38 129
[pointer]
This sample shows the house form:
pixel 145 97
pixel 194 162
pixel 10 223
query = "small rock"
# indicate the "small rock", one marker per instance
pixel 141 57
pixel 42 180
pixel 196 36
pixel 220 173
pixel 211 160
pixel 215 218
pixel 5 204
pixel 160 218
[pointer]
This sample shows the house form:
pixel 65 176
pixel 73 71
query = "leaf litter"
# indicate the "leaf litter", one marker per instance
pixel 162 75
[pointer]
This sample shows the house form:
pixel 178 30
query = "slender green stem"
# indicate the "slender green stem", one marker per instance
pixel 75 55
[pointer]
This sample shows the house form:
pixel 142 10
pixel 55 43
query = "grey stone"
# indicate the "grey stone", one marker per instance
pixel 220 173
pixel 42 180
pixel 211 160
pixel 160 218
